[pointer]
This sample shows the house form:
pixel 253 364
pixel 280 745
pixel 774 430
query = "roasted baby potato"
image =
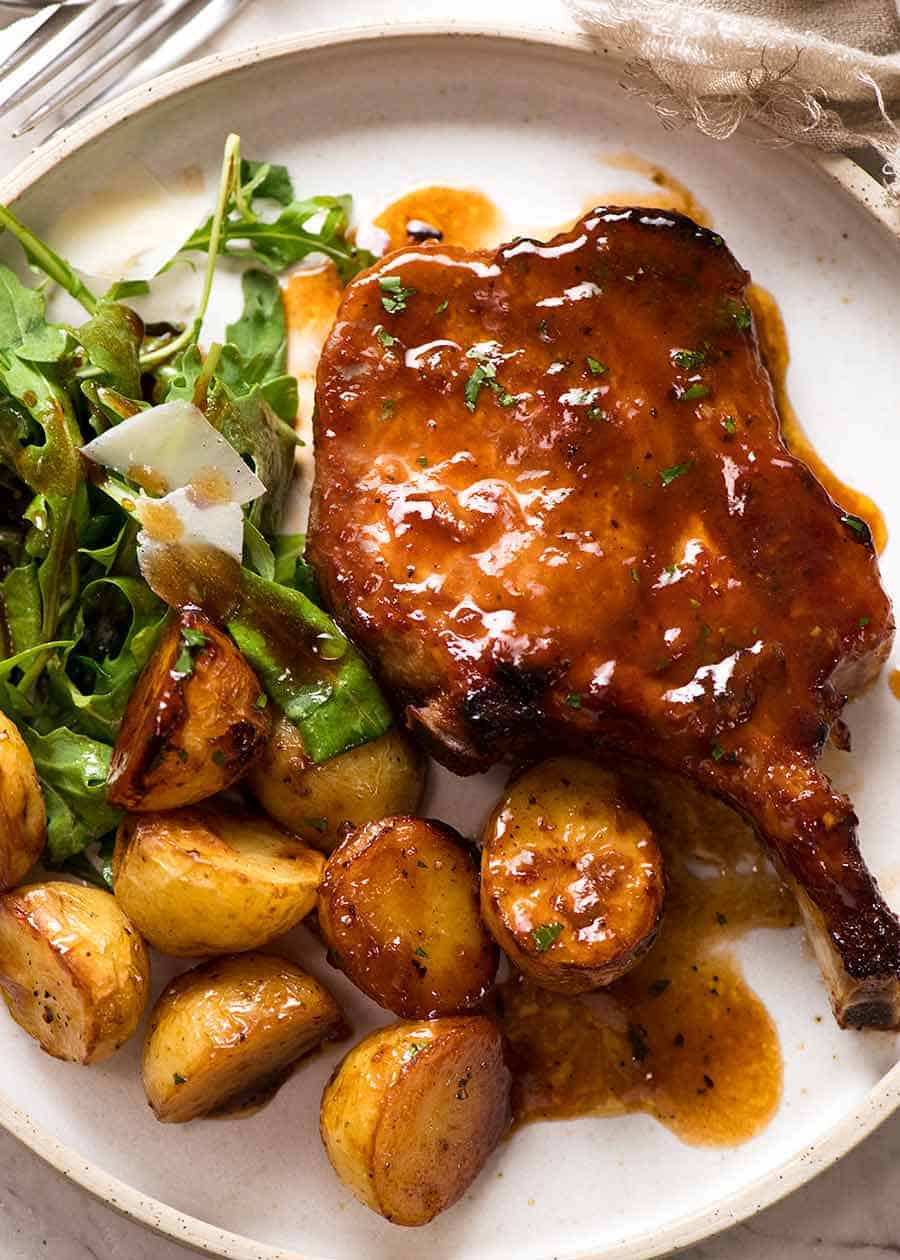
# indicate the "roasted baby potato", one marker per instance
pixel 412 1113
pixel 23 818
pixel 194 722
pixel 398 907
pixel 212 879
pixel 227 1033
pixel 572 881
pixel 323 802
pixel 73 970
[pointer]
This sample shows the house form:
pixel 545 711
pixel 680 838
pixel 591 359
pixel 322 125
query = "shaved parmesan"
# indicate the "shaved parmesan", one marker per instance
pixel 177 520
pixel 173 446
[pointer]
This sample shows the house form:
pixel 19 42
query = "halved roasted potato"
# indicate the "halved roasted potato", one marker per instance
pixel 73 969
pixel 194 722
pixel 323 802
pixel 398 907
pixel 572 881
pixel 412 1113
pixel 228 1032
pixel 23 818
pixel 213 878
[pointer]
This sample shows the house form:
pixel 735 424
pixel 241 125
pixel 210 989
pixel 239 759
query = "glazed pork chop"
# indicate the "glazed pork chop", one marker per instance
pixel 553 506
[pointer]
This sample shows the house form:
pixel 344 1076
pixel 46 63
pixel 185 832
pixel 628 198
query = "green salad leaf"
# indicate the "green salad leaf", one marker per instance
pixel 78 621
pixel 308 667
pixel 314 226
pixel 73 770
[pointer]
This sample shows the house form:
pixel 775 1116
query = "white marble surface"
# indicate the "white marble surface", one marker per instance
pixel 852 1209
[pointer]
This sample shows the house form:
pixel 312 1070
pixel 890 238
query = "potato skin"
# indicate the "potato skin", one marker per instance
pixel 212 878
pixel 398 906
pixel 572 881
pixel 187 735
pixel 228 1028
pixel 73 969
pixel 23 817
pixel 323 802
pixel 412 1113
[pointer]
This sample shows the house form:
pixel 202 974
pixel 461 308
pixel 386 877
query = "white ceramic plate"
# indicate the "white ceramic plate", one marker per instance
pixel 526 121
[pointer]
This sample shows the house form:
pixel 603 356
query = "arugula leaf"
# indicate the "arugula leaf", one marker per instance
pixel 317 225
pixel 73 770
pixel 112 339
pixel 20 593
pixel 23 328
pixel 307 666
pixel 258 555
pixel 40 441
pixel 116 629
pixel 126 289
pixel 291 568
pixel 262 438
pixel 267 179
pixel 40 255
pixel 260 335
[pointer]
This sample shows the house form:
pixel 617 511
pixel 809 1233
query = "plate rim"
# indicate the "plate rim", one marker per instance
pixel 163 1219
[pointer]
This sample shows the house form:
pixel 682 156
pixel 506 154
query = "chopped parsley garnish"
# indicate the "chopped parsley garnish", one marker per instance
pixel 318 824
pixel 718 752
pixel 192 642
pixel 668 475
pixel 178 1078
pixel 420 952
pixel 544 935
pixel 394 294
pixel 595 367
pixel 635 576
pixel 859 527
pixel 218 757
pixel 483 373
pixel 422 461
pixel 441 307
pixel 261 701
pixel 689 359
pixel 411 1051
pixel 729 425
pixel 384 336
pixel 693 392
pixel 739 313
pixel 387 408
pixel 573 700
pixel 864 621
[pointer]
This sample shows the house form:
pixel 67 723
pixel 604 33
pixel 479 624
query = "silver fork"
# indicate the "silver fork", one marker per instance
pixel 69 36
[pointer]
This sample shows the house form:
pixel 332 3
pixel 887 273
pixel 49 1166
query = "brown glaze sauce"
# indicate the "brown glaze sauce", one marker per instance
pixel 894 682
pixel 185 575
pixel 773 345
pixel 311 300
pixel 161 522
pixel 669 193
pixel 458 216
pixel 682 1037
pixel 210 486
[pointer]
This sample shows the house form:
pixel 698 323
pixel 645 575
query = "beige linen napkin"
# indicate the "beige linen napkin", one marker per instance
pixel 823 72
